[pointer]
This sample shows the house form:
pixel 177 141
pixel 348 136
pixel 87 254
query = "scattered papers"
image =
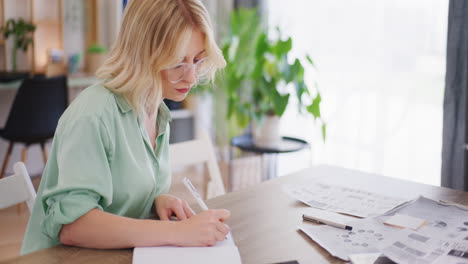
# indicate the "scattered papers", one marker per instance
pixel 443 239
pixel 405 221
pixel 224 252
pixel 440 241
pixel 342 199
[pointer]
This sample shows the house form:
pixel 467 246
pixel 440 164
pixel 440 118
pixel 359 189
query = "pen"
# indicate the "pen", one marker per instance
pixel 195 194
pixel 326 222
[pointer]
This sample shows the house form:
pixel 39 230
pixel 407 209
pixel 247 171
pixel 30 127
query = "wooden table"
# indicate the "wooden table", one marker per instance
pixel 264 219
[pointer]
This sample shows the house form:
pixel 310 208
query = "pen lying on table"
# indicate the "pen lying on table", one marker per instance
pixel 326 222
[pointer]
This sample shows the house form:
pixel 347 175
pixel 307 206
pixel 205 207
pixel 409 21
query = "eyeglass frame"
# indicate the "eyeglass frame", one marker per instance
pixel 187 68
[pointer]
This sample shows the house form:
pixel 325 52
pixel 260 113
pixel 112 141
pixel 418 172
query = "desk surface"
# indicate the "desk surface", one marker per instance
pixel 264 219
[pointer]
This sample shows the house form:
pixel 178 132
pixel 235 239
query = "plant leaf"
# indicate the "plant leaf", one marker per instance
pixel 280 103
pixel 309 59
pixel 314 108
pixel 324 132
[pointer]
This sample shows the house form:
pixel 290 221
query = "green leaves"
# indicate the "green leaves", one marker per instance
pixel 97 49
pixel 314 108
pixel 20 30
pixel 259 77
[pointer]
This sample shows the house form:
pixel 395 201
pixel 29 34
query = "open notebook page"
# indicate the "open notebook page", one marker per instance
pixel 223 252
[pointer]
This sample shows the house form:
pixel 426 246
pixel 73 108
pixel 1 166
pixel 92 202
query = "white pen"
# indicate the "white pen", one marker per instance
pixel 195 194
pixel 326 222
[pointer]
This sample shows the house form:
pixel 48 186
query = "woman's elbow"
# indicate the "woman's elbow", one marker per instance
pixel 66 236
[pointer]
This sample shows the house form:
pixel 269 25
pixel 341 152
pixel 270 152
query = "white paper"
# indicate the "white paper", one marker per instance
pixel 440 241
pixel 223 252
pixel 405 221
pixel 364 237
pixel 444 222
pixel 409 247
pixel 457 255
pixel 329 216
pixel 343 199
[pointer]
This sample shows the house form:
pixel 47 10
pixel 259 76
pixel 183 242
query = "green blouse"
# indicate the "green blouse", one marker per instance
pixel 101 157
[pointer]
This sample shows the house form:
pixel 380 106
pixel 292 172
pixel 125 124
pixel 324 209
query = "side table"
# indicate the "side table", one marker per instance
pixel 269 155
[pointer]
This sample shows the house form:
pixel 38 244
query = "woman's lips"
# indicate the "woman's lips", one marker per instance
pixel 183 90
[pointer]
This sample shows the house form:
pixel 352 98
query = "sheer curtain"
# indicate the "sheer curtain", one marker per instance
pixel 381 68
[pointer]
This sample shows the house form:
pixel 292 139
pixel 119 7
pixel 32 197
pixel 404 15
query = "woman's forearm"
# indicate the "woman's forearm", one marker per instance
pixel 98 229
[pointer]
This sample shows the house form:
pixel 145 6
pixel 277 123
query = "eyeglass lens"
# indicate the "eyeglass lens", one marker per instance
pixel 177 73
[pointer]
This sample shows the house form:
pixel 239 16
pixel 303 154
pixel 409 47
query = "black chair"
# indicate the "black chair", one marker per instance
pixel 33 117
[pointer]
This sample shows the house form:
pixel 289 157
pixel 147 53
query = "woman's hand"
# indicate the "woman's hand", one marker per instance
pixel 167 204
pixel 203 229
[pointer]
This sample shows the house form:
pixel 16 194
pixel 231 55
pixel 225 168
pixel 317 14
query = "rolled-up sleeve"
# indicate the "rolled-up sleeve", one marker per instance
pixel 84 179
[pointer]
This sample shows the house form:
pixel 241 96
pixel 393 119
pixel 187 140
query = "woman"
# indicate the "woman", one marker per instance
pixel 109 157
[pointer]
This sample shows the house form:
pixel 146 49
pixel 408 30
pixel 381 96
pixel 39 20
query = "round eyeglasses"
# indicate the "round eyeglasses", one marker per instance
pixel 201 69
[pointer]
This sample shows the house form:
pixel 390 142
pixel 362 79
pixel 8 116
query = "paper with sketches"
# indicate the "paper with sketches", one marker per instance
pixel 444 222
pixel 405 221
pixel 412 247
pixel 224 252
pixel 443 240
pixel 343 199
pixel 364 237
pixel 446 231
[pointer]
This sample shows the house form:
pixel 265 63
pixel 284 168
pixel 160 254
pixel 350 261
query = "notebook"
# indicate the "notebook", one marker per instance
pixel 223 252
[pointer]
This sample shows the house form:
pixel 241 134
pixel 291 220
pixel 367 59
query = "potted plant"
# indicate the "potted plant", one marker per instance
pixel 96 54
pixel 21 31
pixel 260 78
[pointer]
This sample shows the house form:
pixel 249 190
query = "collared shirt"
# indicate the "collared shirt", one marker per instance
pixel 101 157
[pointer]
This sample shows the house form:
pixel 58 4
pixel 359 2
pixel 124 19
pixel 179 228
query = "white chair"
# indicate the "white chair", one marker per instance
pixel 17 188
pixel 199 151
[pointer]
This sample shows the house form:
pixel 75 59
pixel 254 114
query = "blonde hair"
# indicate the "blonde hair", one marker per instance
pixel 153 36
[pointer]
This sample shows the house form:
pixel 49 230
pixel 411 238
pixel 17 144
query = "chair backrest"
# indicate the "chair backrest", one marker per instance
pixel 17 188
pixel 199 151
pixel 36 109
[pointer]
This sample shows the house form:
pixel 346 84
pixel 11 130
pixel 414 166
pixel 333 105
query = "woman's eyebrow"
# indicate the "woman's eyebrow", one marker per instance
pixel 198 54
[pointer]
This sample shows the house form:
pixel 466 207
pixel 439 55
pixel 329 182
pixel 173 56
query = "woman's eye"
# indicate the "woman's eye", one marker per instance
pixel 178 66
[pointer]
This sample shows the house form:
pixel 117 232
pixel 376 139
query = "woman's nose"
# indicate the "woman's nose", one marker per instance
pixel 190 75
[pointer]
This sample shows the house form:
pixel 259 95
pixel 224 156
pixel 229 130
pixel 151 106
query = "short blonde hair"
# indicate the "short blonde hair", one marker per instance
pixel 153 36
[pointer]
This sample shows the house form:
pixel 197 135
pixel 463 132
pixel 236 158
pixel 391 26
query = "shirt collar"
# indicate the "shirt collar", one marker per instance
pixel 164 117
pixel 124 106
pixel 164 114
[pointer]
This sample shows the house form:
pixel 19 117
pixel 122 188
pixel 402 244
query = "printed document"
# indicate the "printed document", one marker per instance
pixel 442 240
pixel 342 199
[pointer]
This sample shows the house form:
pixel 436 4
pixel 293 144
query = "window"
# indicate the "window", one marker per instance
pixel 381 70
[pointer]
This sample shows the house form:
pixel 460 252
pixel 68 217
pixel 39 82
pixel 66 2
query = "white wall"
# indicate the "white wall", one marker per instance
pixel 110 16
